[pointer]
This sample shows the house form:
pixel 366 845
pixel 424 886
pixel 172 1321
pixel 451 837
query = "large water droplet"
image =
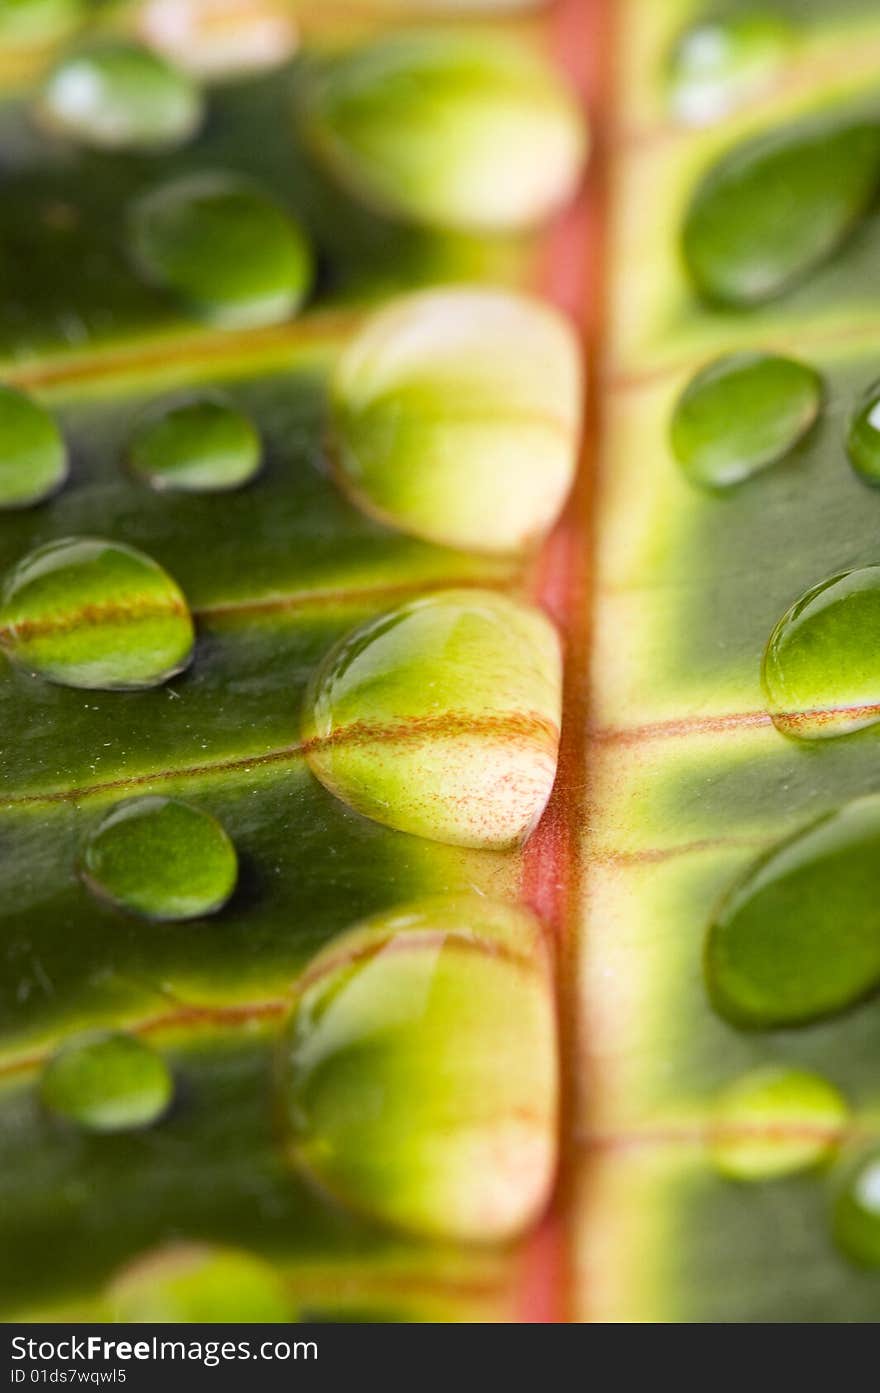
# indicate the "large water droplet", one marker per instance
pixel 161 858
pixel 33 456
pixel 457 414
pixel 223 247
pixel 863 437
pixel 202 446
pixel 774 1122
pixel 442 718
pixel 117 96
pixel 742 413
pixel 821 668
pixel 857 1208
pixel 798 937
pixel 719 62
pixel 91 613
pixel 107 1083
pixel 419 1069
pixel 195 1283
pixel 775 207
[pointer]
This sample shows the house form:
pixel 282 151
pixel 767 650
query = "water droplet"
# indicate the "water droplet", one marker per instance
pixel 196 1283
pixel 456 417
pixel 202 446
pixel 419 1069
pixel 230 253
pixel 442 718
pixel 798 936
pixel 85 612
pixel 821 669
pixel 120 96
pixel 219 37
pixel 856 1218
pixel 444 129
pixel 863 437
pixel 778 205
pixel 161 858
pixel 721 61
pixel 33 457
pixel 107 1083
pixel 740 414
pixel 775 1122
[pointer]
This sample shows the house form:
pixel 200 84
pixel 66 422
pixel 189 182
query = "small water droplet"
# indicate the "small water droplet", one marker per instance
pixel 740 414
pixel 442 718
pixel 721 61
pixel 856 1210
pixel 774 1122
pixel 118 95
pixel 107 1083
pixel 419 1069
pixel 202 446
pixel 223 247
pixel 196 1283
pixel 90 613
pixel 33 456
pixel 161 858
pixel 798 936
pixel 863 436
pixel 821 667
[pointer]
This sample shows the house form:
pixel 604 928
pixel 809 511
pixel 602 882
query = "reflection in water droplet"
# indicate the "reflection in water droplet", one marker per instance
pixel 195 1283
pixel 202 446
pixel 723 60
pixel 419 1069
pixel 856 1216
pixel 223 247
pixel 821 668
pixel 85 612
pixel 742 413
pixel 118 96
pixel 774 1122
pixel 442 718
pixel 107 1083
pixel 33 457
pixel 161 858
pixel 798 936
pixel 863 437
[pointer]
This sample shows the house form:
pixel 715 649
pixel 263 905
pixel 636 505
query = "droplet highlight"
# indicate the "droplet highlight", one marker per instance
pixel 774 1122
pixel 821 667
pixel 116 95
pixel 721 61
pixel 442 718
pixel 107 1083
pixel 90 613
pixel 456 417
pixel 33 455
pixel 740 414
pixel 797 938
pixel 863 437
pixel 228 252
pixel 418 1071
pixel 202 446
pixel 161 858
pixel 856 1208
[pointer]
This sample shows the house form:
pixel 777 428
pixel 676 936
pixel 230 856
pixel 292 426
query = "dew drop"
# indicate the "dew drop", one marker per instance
pixel 856 1210
pixel 107 1083
pixel 197 1283
pixel 202 446
pixel 161 858
pixel 774 1122
pixel 798 936
pixel 740 414
pixel 90 613
pixel 223 247
pixel 721 61
pixel 442 718
pixel 821 668
pixel 863 437
pixel 418 1071
pixel 33 456
pixel 120 96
